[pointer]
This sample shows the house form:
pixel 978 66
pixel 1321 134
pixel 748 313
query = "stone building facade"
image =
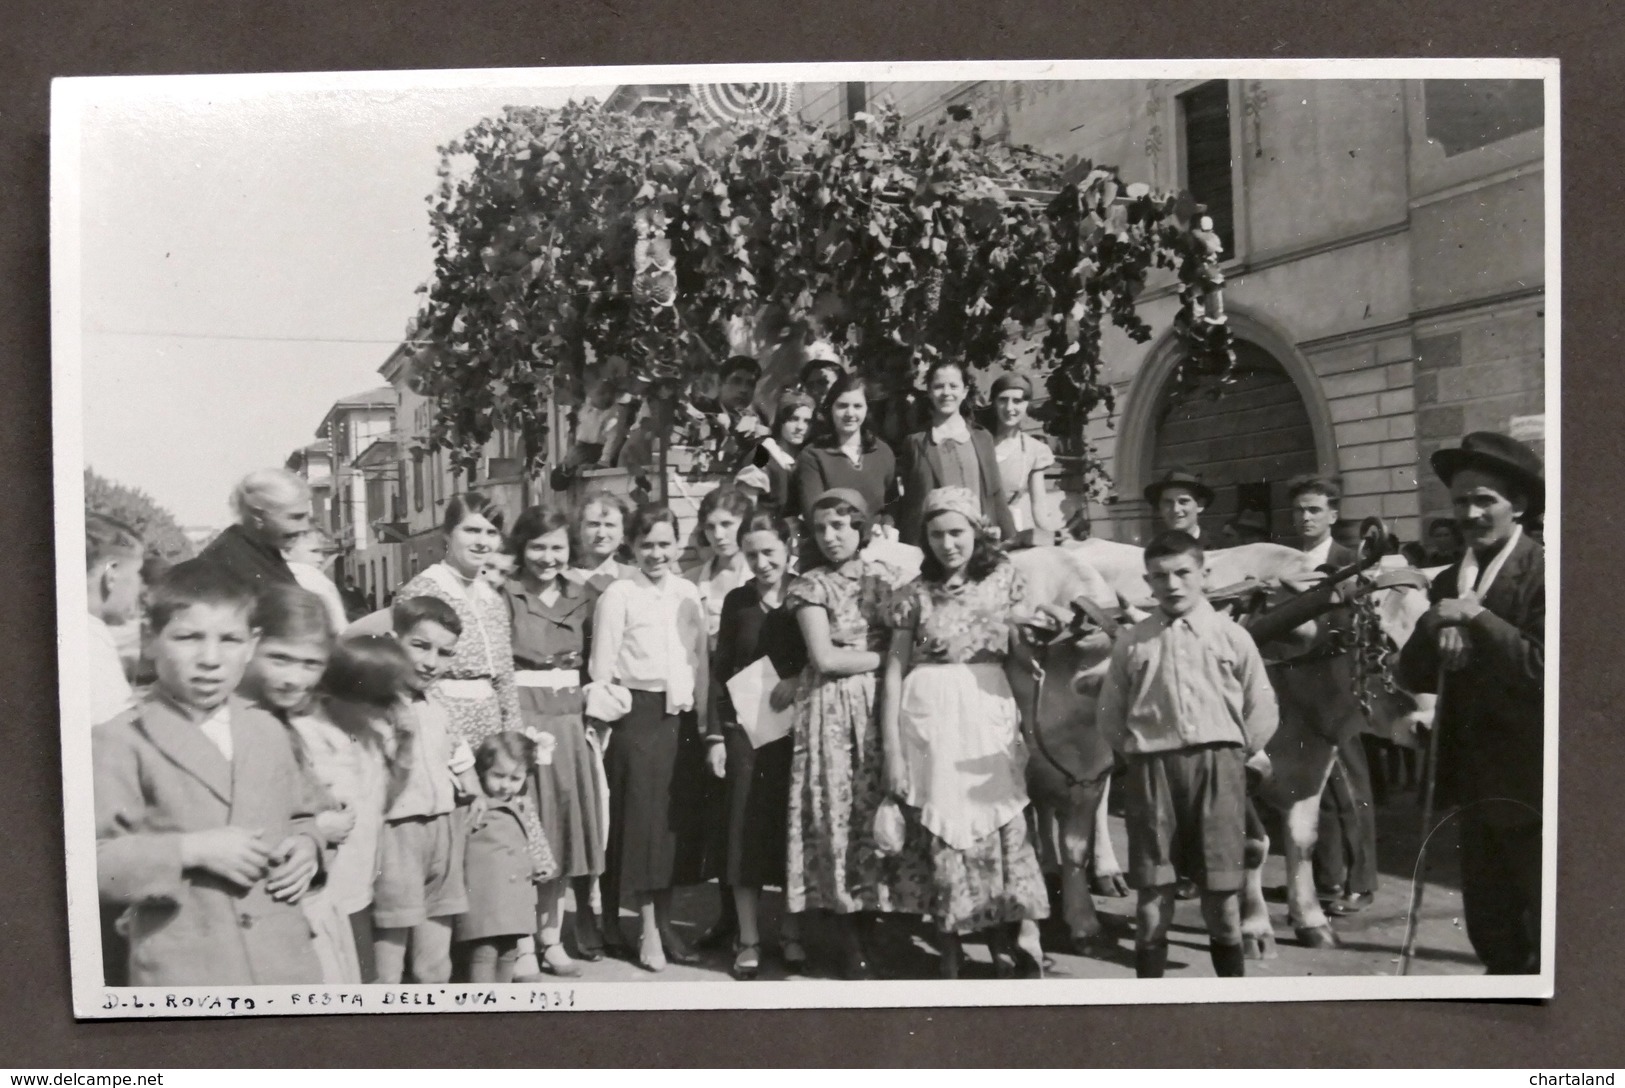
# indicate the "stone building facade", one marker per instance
pixel 1385 264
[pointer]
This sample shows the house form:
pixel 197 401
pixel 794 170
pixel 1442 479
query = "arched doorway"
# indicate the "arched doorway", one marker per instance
pixel 1270 425
pixel 1245 443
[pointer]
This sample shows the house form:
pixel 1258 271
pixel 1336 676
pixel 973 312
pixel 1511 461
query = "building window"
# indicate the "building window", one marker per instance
pixel 383 586
pixel 1464 114
pixel 417 480
pixel 1205 115
pixel 857 99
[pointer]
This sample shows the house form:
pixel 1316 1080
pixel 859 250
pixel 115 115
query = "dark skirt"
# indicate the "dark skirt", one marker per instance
pixel 655 763
pixel 568 793
pixel 758 810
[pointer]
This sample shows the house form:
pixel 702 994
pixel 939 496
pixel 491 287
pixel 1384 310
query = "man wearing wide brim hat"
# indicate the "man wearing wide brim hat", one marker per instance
pixel 1178 498
pixel 1484 642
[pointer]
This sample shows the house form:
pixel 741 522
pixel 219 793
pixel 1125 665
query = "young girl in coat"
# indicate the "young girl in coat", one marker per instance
pixel 505 857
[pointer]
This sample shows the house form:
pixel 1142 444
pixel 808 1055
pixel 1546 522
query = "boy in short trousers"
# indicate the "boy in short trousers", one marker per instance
pixel 1187 703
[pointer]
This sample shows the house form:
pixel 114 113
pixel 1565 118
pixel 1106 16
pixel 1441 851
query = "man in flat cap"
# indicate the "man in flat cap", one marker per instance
pixel 1484 643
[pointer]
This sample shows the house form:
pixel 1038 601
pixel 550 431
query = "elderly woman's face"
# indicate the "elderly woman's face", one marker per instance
pixel 601 532
pixel 470 546
pixel 280 521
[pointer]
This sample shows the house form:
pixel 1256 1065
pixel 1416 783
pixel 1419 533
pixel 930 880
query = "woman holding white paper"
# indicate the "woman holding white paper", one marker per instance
pixel 756 624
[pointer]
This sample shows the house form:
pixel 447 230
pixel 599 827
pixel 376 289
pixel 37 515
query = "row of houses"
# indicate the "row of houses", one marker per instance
pixel 380 492
pixel 1385 258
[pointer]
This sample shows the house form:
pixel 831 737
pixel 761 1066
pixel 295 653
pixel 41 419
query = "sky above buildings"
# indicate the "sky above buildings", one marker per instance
pixel 246 260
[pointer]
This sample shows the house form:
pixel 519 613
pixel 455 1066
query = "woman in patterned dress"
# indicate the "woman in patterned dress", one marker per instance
pixel 552 620
pixel 477 690
pixel 837 773
pixel 953 733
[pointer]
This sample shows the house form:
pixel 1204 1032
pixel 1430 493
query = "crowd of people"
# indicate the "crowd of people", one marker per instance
pixel 555 724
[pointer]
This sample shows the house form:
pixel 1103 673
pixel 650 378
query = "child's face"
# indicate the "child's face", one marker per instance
pixel 202 652
pixel 656 549
pixel 503 779
pixel 430 648
pixel 1176 582
pixel 284 671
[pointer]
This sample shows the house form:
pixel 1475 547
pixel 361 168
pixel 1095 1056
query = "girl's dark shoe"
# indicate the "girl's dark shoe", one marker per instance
pixel 676 950
pixel 794 955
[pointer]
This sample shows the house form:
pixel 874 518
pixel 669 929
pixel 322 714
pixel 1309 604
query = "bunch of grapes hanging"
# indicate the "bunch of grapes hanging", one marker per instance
pixel 1201 323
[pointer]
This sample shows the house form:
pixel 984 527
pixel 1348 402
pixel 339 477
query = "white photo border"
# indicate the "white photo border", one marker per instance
pixel 72 97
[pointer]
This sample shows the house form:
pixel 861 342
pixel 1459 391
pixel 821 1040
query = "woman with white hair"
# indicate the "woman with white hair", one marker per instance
pixel 273 510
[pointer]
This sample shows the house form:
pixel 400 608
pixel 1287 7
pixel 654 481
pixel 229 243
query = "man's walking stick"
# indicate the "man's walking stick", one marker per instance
pixel 1419 875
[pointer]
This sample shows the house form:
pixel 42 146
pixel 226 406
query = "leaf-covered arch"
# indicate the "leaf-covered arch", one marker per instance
pixel 574 233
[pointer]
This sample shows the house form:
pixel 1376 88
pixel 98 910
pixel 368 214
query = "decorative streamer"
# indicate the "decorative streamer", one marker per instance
pixel 745 103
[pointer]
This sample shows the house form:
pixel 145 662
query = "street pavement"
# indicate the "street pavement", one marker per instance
pixel 1370 941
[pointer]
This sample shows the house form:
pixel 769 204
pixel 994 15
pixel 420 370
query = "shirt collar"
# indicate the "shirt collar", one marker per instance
pixel 1197 618
pixel 1321 553
pixel 955 430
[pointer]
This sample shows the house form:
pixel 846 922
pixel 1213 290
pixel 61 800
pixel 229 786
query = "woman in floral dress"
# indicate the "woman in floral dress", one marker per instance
pixel 952 731
pixel 477 690
pixel 837 770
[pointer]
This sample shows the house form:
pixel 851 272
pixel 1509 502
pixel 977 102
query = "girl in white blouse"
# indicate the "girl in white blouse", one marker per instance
pixel 650 637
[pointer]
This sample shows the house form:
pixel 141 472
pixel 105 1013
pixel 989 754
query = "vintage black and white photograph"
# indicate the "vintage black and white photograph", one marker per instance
pixel 810 535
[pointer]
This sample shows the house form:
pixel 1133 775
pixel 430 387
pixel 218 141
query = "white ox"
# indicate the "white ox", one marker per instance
pixel 1318 709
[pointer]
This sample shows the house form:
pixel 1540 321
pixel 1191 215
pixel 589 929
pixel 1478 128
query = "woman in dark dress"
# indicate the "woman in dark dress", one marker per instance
pixel 552 620
pixel 951 451
pixel 775 456
pixel 756 624
pixel 844 453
